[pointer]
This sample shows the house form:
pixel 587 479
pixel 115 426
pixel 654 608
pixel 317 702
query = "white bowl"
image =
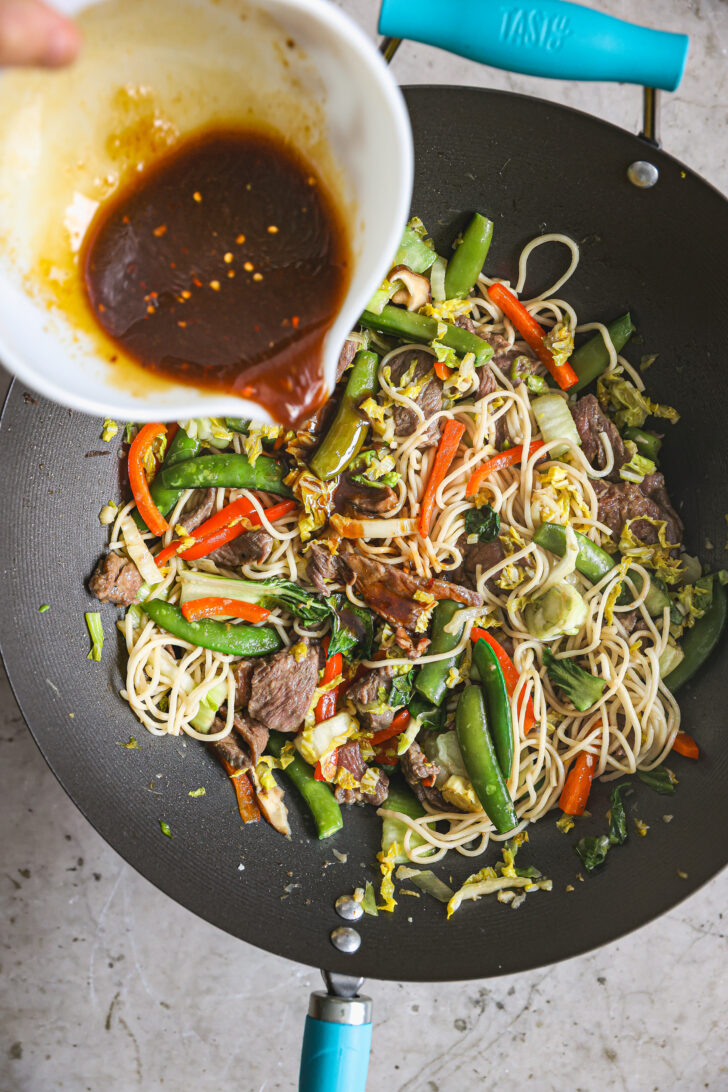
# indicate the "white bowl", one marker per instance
pixel 151 72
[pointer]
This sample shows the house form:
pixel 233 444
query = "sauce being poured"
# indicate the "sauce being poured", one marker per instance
pixel 223 266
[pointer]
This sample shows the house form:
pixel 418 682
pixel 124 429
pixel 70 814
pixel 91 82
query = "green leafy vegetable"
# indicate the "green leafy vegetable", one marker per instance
pixel 132 745
pixel 352 631
pixel 483 522
pixel 617 818
pixel 628 405
pixel 401 692
pixel 659 780
pixel 164 827
pixel 42 609
pixel 274 592
pixel 593 851
pixel 96 632
pixel 197 792
pixel 369 902
pixel 581 688
pixel 430 716
pixel 636 469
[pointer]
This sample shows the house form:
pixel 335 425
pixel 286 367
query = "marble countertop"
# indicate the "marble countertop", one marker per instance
pixel 107 984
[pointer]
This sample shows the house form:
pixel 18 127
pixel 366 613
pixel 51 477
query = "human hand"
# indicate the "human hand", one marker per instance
pixel 33 34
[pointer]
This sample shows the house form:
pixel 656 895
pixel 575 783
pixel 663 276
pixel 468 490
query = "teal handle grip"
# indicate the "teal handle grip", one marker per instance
pixel 334 1057
pixel 542 38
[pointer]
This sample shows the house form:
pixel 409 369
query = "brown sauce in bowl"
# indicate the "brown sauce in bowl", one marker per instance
pixel 223 266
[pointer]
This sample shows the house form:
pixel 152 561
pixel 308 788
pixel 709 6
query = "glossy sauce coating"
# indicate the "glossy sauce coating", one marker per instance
pixel 223 266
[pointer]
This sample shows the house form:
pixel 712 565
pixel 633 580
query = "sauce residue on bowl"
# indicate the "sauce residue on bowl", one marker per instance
pixel 223 266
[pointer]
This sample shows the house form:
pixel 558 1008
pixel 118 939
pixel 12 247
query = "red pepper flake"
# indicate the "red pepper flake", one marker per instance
pixel 240 240
pixel 272 229
pixel 215 286
pixel 228 257
pixel 197 196
pixel 231 273
pixel 150 310
pixel 248 267
pixel 101 307
pixel 295 320
pixel 257 276
pixel 160 231
pixel 197 283
pixel 182 324
pixel 185 294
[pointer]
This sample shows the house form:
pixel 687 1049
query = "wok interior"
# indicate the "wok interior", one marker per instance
pixel 475 150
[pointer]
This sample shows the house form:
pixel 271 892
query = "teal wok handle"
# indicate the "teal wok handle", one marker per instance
pixel 336 1044
pixel 542 38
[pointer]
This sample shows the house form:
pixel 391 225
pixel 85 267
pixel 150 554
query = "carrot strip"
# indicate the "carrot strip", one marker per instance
pixel 578 784
pixel 396 728
pixel 686 746
pixel 211 605
pixel 326 705
pixel 510 674
pixel 148 510
pixel 441 370
pixel 447 448
pixel 531 333
pixel 503 459
pixel 247 804
pixel 327 766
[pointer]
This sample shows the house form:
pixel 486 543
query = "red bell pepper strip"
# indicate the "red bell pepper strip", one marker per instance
pixel 396 728
pixel 327 766
pixel 212 605
pixel 247 804
pixel 503 459
pixel 578 784
pixel 326 706
pixel 226 525
pixel 510 674
pixel 686 746
pixel 447 448
pixel 146 507
pixel 441 370
pixel 532 333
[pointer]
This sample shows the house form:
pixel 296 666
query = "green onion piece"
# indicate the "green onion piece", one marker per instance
pixel 96 631
pixel 369 902
pixel 164 827
pixel 659 780
pixel 43 608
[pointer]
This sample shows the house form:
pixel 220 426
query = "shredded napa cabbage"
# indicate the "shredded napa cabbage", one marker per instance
pixel 210 430
pixel 657 556
pixel 630 406
pixel 253 442
pixel 387 862
pixel 560 342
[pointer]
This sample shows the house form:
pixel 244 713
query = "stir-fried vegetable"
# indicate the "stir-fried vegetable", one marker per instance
pixel 560 610
pixel 413 327
pixel 483 523
pixel 415 250
pixel 215 607
pixel 274 592
pixel 578 784
pixel 318 797
pixel 497 704
pixel 476 745
pixel 400 799
pixel 591 358
pixel 96 633
pixel 432 678
pixel 699 641
pixel 346 435
pixel 593 851
pixel 146 507
pixel 230 471
pixel 511 457
pixel 555 422
pixel 629 405
pixel 139 552
pixel 238 640
pixel 686 746
pixel 180 447
pixel 467 262
pixel 452 434
pixel 226 525
pixel 648 443
pixel 247 806
pixel 326 707
pixel 511 675
pixel 532 333
pixel 582 689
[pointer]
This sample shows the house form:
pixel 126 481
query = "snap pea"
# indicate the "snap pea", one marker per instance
pixel 238 424
pixel 481 762
pixel 346 435
pixel 182 447
pixel 410 326
pixel 431 678
pixel 229 470
pixel 232 640
pixel 318 796
pixel 594 563
pixel 699 641
pixel 591 358
pixel 467 262
pixel 497 702
pixel 647 443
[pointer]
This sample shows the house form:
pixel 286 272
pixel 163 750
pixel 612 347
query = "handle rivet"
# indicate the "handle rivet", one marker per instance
pixel 348 908
pixel 346 939
pixel 642 174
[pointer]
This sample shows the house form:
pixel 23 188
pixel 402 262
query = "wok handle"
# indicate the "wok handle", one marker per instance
pixel 336 1043
pixel 542 38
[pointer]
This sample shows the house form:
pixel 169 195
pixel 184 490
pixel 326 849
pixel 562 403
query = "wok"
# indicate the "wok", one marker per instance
pixel 532 166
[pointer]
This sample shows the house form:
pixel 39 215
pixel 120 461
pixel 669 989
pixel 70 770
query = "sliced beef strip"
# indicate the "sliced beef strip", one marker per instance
pixel 429 399
pixel 115 580
pixel 282 688
pixel 483 554
pixel 347 354
pixel 416 769
pixel 323 566
pixel 627 501
pixel 590 421
pixel 250 546
pixel 349 758
pixel 368 694
pixel 203 502
pixel 245 744
pixel 243 673
pixel 372 500
pixel 413 647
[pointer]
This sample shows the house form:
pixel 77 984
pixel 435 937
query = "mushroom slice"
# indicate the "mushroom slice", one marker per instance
pixel 415 292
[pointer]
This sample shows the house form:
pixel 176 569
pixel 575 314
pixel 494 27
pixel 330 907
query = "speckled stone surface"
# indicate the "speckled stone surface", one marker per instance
pixel 106 985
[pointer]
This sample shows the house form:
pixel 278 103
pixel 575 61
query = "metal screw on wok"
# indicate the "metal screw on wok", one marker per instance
pixel 642 173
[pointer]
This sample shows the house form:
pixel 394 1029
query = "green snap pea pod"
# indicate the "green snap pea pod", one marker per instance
pixel 346 435
pixel 231 471
pixel 182 447
pixel 593 562
pixel 699 641
pixel 318 796
pixel 237 424
pixel 497 702
pixel 431 678
pixel 232 640
pixel 410 326
pixel 591 358
pixel 467 262
pixel 481 761
pixel 647 443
